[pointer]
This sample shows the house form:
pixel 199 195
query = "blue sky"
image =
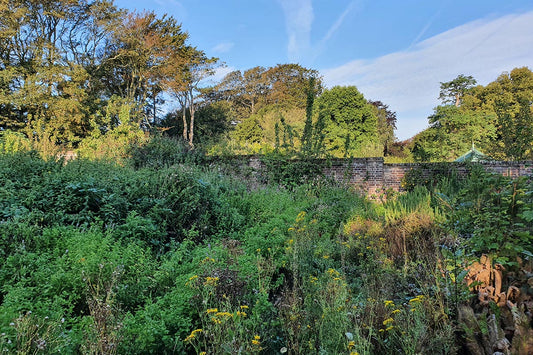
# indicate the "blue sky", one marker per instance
pixel 394 51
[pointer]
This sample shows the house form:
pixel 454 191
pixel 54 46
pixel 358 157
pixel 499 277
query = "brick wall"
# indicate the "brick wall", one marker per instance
pixel 372 174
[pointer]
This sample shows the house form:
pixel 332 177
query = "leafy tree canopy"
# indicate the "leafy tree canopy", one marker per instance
pixel 350 122
pixel 497 118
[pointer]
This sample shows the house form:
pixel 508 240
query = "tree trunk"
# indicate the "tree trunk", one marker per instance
pixel 191 126
pixel 185 128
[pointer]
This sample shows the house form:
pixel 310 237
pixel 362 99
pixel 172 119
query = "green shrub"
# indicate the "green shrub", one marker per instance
pixel 494 214
pixel 161 151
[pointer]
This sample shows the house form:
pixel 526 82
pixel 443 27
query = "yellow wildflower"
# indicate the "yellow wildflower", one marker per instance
pixel 193 334
pixel 256 340
pixel 224 315
pixel 290 229
pixel 191 279
pixel 351 345
pixel 417 299
pixel 389 303
pixel 333 272
pixel 211 281
pixel 389 328
pixel 244 307
pixel 211 310
pixel 396 311
pixel 300 216
pixel 241 314
pixel 326 256
pixel 388 321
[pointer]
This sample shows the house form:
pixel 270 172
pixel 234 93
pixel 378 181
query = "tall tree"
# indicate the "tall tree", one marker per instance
pixel 347 116
pixel 43 89
pixel 186 86
pixel 307 135
pixel 514 109
pixel 498 118
pixel 284 85
pixel 288 83
pixel 453 91
pixel 143 58
pixel 386 125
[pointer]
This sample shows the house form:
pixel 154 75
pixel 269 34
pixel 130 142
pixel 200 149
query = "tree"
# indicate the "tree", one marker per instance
pixel 287 85
pixel 386 125
pixel 497 118
pixel 307 135
pixel 514 109
pixel 347 116
pixel 284 85
pixel 44 83
pixel 186 87
pixel 142 60
pixel 453 91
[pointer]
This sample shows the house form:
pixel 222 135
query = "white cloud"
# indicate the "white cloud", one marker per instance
pixel 409 81
pixel 339 21
pixel 219 74
pixel 335 27
pixel 298 20
pixel 223 47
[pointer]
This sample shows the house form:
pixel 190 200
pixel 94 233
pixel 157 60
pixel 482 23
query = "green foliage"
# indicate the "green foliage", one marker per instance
pixel 162 152
pixel 515 113
pixel 290 172
pixel 307 135
pixel 428 175
pixel 345 113
pixel 70 68
pixel 453 91
pixel 183 259
pixel 13 142
pixel 493 213
pixel 386 126
pixel 496 118
pixel 249 131
pixel 114 145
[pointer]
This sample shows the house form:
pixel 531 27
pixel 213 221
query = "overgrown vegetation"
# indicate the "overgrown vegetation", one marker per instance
pixel 163 255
